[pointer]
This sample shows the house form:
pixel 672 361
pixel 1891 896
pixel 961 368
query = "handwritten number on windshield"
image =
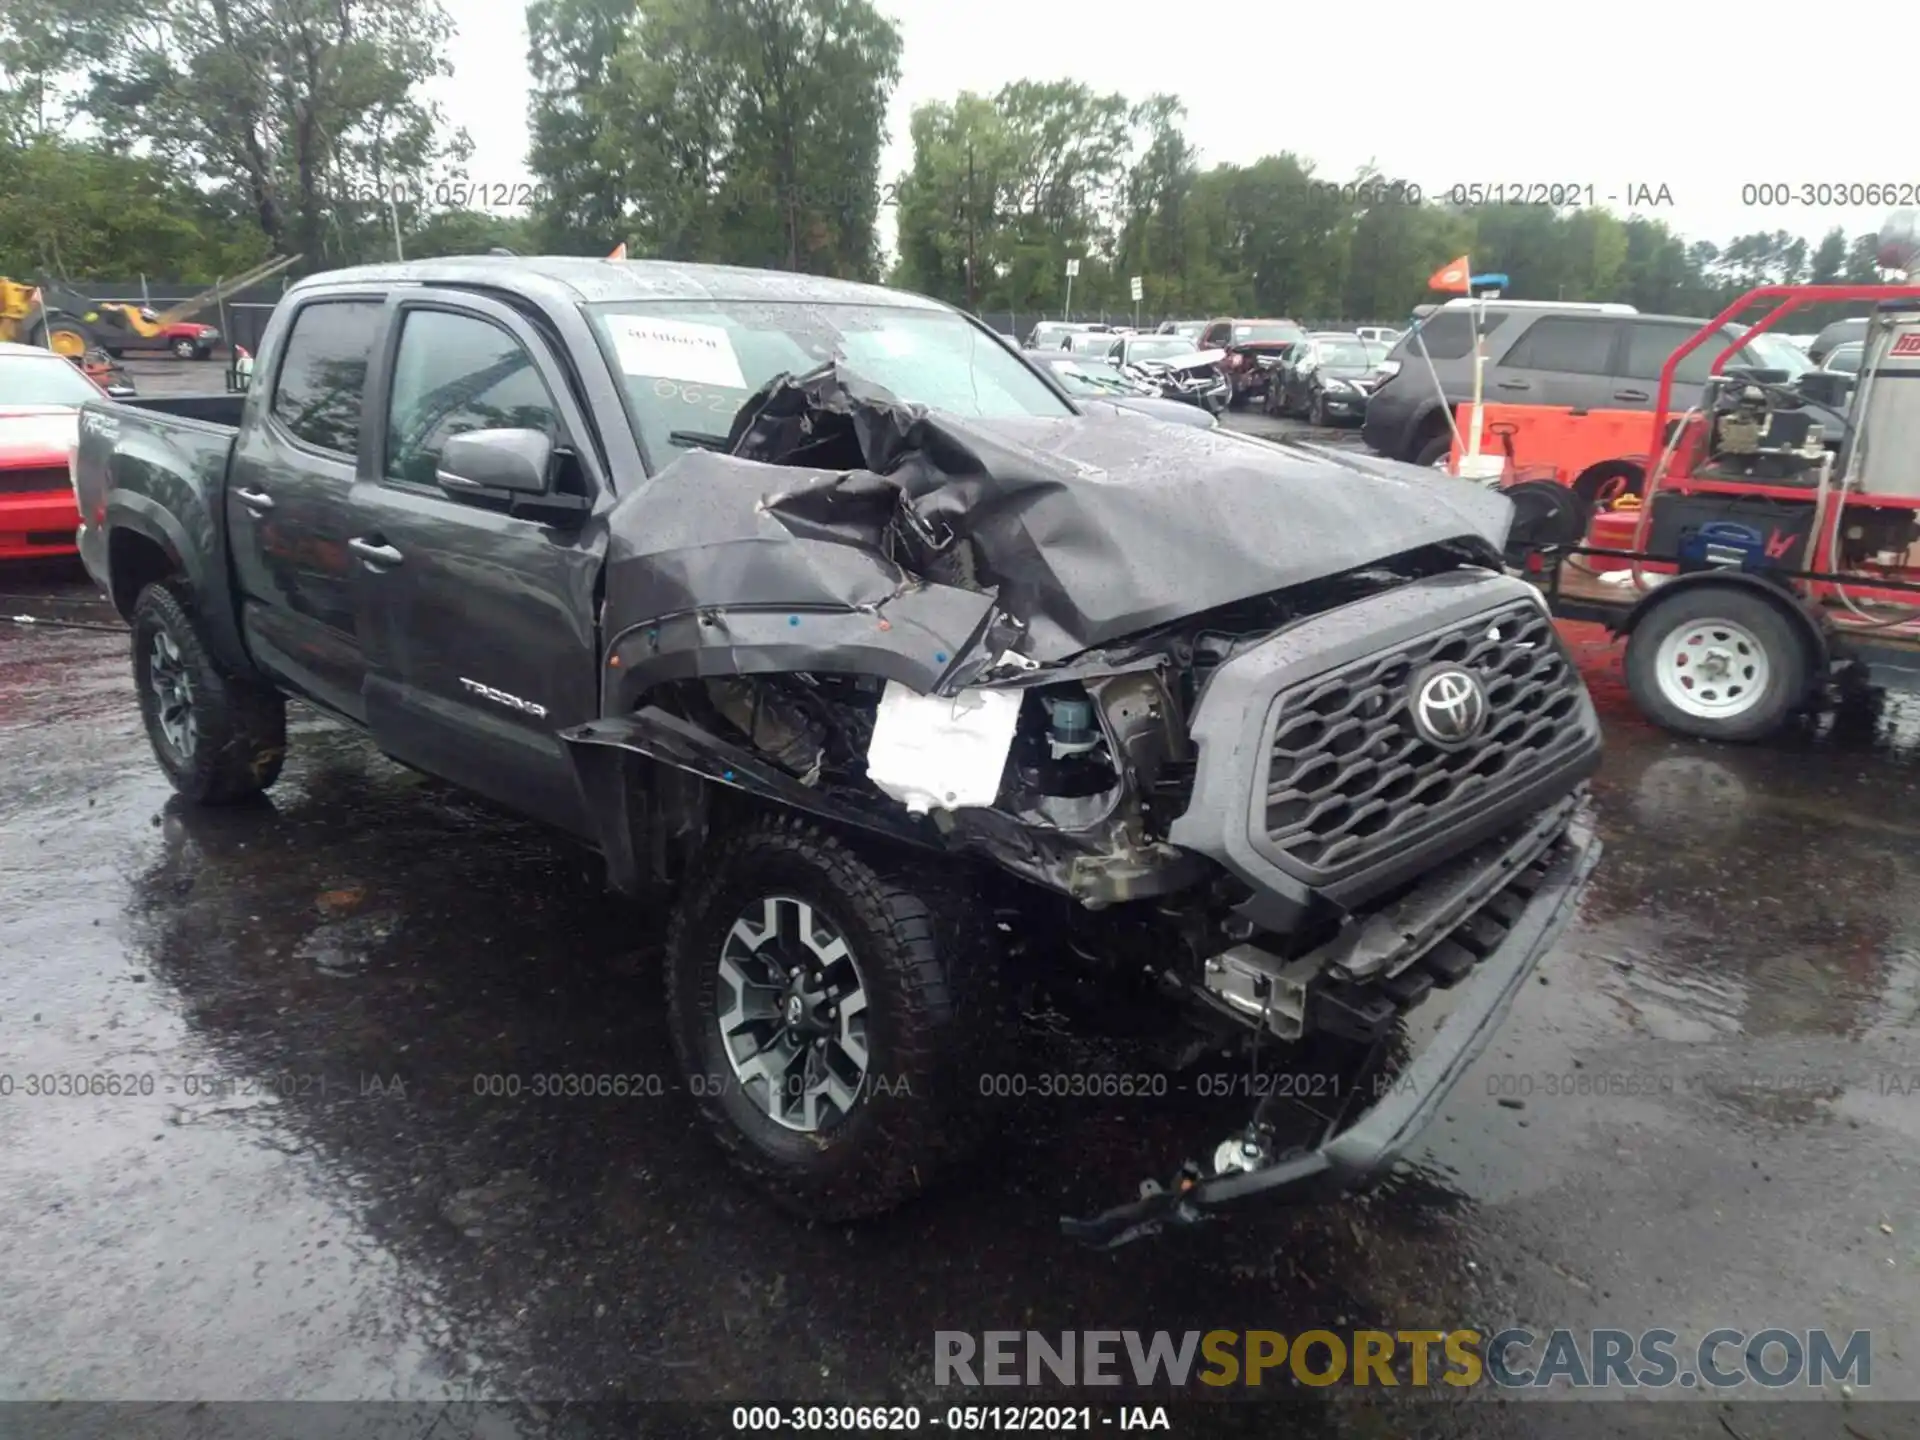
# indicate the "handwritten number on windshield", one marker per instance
pixel 719 402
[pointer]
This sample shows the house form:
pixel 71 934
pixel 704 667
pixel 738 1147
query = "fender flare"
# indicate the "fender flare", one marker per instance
pixel 142 515
pixel 1806 621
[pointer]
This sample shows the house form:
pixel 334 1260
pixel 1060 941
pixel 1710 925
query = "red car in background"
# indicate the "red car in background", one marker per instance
pixel 40 398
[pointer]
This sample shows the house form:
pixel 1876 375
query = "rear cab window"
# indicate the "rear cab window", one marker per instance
pixel 323 373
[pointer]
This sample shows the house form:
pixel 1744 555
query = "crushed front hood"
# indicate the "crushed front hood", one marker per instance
pixel 1085 532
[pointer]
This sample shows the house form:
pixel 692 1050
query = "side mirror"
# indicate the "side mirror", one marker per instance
pixel 519 462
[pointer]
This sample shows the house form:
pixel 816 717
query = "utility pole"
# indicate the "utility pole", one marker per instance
pixel 973 301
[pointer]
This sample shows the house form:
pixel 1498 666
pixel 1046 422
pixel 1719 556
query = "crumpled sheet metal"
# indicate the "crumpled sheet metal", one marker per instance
pixel 1086 533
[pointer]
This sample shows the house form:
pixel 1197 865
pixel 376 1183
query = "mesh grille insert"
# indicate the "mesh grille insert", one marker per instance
pixel 1349 777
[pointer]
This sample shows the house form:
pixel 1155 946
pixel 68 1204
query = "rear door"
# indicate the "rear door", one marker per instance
pixel 479 619
pixel 1557 360
pixel 288 502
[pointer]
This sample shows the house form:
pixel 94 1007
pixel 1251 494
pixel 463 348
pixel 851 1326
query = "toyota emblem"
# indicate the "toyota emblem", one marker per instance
pixel 1449 705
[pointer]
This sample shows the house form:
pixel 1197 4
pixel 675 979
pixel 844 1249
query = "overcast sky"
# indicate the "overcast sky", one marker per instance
pixel 1627 95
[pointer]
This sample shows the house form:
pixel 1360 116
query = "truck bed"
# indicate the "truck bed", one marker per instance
pixel 214 409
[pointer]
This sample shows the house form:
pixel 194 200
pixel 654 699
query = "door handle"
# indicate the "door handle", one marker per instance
pixel 1631 395
pixel 1513 384
pixel 375 554
pixel 255 499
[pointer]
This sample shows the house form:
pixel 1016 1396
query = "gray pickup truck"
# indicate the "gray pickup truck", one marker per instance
pixel 819 612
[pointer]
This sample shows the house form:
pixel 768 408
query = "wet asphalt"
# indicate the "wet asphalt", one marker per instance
pixel 301 1183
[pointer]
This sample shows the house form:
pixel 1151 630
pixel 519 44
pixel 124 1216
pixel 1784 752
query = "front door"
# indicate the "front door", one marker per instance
pixel 479 623
pixel 288 503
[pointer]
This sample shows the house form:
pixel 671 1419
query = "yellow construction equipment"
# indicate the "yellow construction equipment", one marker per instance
pixel 54 314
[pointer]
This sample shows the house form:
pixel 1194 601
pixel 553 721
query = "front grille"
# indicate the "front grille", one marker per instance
pixel 34 481
pixel 1349 778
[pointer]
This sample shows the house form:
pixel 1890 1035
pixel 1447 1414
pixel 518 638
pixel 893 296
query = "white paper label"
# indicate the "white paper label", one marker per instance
pixel 934 753
pixel 676 350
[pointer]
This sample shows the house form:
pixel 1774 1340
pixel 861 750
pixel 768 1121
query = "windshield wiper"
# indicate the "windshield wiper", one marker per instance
pixel 699 440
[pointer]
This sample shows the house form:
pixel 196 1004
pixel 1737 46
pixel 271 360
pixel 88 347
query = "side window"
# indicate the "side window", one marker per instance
pixel 1649 345
pixel 323 370
pixel 456 373
pixel 1117 352
pixel 1446 335
pixel 1569 344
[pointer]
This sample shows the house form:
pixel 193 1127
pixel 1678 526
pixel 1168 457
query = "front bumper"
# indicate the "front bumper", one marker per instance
pixel 1345 404
pixel 1408 1099
pixel 38 524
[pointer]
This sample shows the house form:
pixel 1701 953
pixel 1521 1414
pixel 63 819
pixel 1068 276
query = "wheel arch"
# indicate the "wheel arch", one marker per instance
pixel 1806 624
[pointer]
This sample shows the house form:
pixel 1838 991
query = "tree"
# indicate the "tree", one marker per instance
pixel 71 208
pixel 746 131
pixel 294 107
pixel 1830 259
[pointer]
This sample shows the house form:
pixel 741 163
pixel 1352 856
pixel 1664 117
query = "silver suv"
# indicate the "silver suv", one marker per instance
pixel 1589 357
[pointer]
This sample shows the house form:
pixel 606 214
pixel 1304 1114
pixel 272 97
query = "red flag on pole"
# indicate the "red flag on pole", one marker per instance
pixel 1453 276
pixel 619 251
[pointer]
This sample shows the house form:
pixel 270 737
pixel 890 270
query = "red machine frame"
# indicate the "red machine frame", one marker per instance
pixel 1892 587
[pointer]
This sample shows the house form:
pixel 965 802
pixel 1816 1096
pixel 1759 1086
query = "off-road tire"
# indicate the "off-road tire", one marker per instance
pixel 241 724
pixel 1788 663
pixel 931 972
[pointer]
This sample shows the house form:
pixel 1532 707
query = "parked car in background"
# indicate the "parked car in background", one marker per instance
pixel 1834 336
pixel 1052 334
pixel 1093 380
pixel 1248 343
pixel 1845 358
pixel 1185 329
pixel 1378 334
pixel 1327 379
pixel 40 398
pixel 1132 349
pixel 1585 356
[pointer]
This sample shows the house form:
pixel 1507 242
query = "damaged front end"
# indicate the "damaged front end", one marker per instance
pixel 1170 672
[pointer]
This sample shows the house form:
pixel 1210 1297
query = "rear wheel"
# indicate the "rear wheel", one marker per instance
pixel 185 349
pixel 220 737
pixel 825 1013
pixel 1718 663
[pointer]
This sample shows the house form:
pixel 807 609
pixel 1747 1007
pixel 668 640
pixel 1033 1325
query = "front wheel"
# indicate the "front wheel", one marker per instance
pixel 1718 663
pixel 1317 411
pixel 221 738
pixel 1435 453
pixel 824 1013
pixel 185 349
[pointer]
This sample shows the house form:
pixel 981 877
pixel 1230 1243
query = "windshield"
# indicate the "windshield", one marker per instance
pixel 1774 352
pixel 1260 333
pixel 1158 347
pixel 689 365
pixel 1346 355
pixel 30 380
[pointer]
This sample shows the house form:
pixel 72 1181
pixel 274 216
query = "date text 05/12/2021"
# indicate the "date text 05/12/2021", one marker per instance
pixel 1025 1419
